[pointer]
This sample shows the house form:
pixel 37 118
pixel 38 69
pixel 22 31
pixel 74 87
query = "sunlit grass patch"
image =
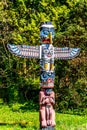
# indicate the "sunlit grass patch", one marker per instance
pixel 26 120
pixel 70 122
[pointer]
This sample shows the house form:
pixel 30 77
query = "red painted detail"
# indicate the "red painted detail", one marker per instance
pixel 46 40
pixel 47 86
pixel 50 80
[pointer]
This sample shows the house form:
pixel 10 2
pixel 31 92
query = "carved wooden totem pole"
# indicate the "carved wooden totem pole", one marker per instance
pixel 47 54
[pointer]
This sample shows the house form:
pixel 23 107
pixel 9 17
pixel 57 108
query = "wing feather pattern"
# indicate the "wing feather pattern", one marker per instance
pixel 66 53
pixel 24 51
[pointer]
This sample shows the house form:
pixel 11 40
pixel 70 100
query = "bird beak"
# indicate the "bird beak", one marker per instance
pixel 50 37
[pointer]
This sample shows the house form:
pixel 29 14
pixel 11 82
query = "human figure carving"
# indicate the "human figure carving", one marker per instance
pixel 47 113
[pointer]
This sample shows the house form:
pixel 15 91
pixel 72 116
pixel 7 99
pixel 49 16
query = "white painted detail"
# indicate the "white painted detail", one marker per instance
pixel 48 26
pixel 40 52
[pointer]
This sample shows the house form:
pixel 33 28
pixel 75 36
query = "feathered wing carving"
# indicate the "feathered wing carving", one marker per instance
pixel 24 51
pixel 66 53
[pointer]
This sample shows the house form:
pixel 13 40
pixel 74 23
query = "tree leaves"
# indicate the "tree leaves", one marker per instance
pixel 20 24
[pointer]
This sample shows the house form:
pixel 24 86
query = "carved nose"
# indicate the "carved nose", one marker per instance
pixel 49 80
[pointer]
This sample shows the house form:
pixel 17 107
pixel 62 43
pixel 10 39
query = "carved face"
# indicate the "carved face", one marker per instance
pixel 47 79
pixel 48 51
pixel 45 31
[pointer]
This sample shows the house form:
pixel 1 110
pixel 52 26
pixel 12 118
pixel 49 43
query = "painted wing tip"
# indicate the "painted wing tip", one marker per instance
pixel 75 52
pixel 9 46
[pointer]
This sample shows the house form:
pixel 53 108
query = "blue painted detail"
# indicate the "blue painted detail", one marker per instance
pixel 74 52
pixel 47 46
pixel 49 90
pixel 24 51
pixel 41 63
pixel 11 46
pixel 25 46
pixel 17 51
pixel 64 49
pixel 75 49
pixel 45 32
pixel 49 23
pixel 45 75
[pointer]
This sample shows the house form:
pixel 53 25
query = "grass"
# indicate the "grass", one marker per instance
pixel 14 118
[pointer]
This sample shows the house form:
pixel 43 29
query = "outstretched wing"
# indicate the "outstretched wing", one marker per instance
pixel 24 51
pixel 66 53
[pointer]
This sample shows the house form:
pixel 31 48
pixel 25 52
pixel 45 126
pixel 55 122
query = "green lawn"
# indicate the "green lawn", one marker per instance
pixel 13 118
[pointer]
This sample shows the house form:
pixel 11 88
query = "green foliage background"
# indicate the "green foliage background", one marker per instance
pixel 20 24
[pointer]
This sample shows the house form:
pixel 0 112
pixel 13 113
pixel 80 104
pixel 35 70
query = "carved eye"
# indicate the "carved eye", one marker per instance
pixel 51 51
pixel 46 51
pixel 46 32
pixel 52 30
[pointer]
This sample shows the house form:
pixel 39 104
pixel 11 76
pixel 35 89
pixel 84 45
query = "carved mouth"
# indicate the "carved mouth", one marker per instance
pixel 48 85
pixel 49 55
pixel 46 40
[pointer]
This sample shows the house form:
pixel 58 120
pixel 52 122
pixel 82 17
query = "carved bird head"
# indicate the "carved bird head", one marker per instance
pixel 47 33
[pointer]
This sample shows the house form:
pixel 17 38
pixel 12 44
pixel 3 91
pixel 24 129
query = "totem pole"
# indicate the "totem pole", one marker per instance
pixel 47 54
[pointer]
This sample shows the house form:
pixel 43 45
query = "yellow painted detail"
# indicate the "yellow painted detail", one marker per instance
pixel 52 67
pixel 46 66
pixel 50 37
